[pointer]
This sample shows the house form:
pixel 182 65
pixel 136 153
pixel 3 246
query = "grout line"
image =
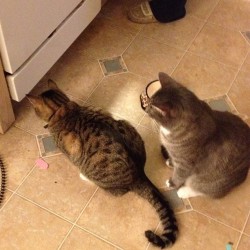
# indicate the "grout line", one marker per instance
pixel 7 201
pixel 246 39
pixel 187 49
pixel 185 211
pixel 24 179
pixel 44 208
pixel 242 231
pixel 245 224
pixel 238 71
pixel 231 103
pixel 216 220
pixel 212 10
pixel 233 67
pixel 74 223
pixel 190 204
pixel 90 94
pixel 238 242
pixel 90 199
pixel 138 33
pixel 97 236
pixel 139 123
pixel 24 130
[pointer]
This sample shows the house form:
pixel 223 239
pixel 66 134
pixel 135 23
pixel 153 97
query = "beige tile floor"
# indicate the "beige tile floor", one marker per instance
pixel 54 209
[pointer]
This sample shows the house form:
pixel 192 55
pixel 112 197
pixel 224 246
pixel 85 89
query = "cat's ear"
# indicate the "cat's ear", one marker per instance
pixel 35 100
pixel 52 84
pixel 166 80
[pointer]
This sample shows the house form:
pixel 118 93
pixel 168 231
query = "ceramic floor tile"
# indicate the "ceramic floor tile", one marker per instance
pixel 204 57
pixel 246 65
pixel 79 240
pixel 147 57
pixel 76 73
pixel 117 12
pixel 221 44
pixel 199 232
pixel 244 243
pixel 26 226
pixel 177 34
pixel 59 188
pixel 241 88
pixel 13 144
pixel 130 217
pixel 200 9
pixel 232 13
pixel 205 77
pixel 236 204
pixel 119 94
pixel 103 39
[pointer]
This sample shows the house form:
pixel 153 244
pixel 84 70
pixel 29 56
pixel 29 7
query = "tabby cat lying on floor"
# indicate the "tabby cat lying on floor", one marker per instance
pixel 108 152
pixel 209 150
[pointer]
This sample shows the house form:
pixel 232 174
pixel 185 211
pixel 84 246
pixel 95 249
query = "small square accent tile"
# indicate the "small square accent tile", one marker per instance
pixel 179 205
pixel 221 104
pixel 246 34
pixel 47 145
pixel 113 65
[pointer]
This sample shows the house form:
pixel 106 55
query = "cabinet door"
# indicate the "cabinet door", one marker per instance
pixel 25 25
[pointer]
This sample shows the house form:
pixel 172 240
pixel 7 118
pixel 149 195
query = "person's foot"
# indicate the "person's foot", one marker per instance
pixel 141 13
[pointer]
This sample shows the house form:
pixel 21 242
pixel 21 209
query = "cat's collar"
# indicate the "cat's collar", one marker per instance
pixel 149 91
pixel 47 125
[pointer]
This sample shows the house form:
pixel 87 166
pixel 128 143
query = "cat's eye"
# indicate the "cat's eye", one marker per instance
pixel 150 90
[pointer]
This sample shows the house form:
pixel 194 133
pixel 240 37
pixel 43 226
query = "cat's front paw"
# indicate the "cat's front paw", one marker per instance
pixel 170 183
pixel 169 163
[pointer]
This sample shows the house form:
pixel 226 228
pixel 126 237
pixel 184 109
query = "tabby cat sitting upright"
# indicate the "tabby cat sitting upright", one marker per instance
pixel 108 152
pixel 209 150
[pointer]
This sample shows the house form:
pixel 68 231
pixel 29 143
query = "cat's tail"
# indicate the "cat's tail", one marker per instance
pixel 170 229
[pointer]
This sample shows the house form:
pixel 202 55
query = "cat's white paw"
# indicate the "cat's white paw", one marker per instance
pixel 168 163
pixel 169 184
pixel 83 177
pixel 183 192
pixel 187 192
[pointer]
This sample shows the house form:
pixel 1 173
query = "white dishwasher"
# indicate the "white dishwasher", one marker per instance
pixel 34 34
